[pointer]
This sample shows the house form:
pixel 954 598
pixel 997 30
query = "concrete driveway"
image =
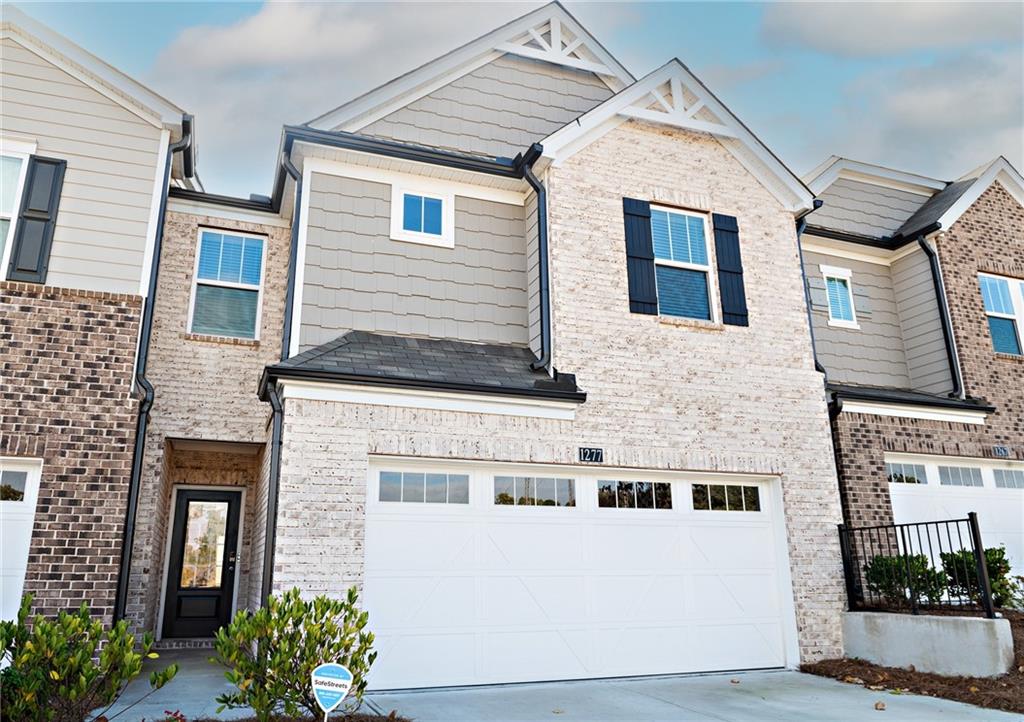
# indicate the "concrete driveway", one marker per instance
pixel 759 696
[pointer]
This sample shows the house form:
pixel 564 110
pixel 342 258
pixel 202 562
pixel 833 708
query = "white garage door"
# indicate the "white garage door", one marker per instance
pixel 19 488
pixel 933 488
pixel 508 574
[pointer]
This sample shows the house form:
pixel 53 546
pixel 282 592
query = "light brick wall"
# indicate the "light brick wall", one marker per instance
pixel 660 395
pixel 205 391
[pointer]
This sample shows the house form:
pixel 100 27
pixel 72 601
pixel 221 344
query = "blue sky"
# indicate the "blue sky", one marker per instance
pixel 934 88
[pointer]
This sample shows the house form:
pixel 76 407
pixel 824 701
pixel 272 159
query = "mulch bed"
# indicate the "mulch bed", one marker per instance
pixel 1002 693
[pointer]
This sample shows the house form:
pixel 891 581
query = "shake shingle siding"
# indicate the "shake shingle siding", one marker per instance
pixel 497 110
pixel 865 209
pixel 927 362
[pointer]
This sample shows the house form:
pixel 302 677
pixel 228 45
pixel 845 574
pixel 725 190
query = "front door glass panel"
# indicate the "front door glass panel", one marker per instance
pixel 205 540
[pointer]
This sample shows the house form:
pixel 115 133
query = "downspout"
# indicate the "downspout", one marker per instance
pixel 947 328
pixel 531 156
pixel 148 392
pixel 277 409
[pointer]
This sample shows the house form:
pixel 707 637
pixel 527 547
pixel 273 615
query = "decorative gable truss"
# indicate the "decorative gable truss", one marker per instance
pixel 560 43
pixel 673 96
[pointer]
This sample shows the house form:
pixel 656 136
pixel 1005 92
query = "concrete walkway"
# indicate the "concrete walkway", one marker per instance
pixel 759 697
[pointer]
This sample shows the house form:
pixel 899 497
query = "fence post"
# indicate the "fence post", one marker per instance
pixel 984 584
pixel 848 568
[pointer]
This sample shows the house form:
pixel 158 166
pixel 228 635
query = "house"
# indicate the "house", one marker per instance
pixel 519 346
pixel 916 292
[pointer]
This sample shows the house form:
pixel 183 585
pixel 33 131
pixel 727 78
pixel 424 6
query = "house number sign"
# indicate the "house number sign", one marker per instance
pixel 1002 452
pixel 591 455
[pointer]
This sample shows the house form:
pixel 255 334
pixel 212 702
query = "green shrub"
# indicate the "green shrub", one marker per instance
pixel 893 577
pixel 271 653
pixel 55 672
pixel 962 573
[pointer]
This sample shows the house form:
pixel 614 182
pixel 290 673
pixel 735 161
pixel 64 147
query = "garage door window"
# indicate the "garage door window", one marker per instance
pixel 726 497
pixel 1009 478
pixel 534 491
pixel 12 485
pixel 418 487
pixel 906 473
pixel 634 495
pixel 960 476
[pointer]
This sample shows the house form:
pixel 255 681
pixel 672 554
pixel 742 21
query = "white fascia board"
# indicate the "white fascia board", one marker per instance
pixel 401 91
pixel 908 411
pixel 586 129
pixel 214 211
pixel 300 261
pixel 154 211
pixel 437 186
pixel 427 399
pixel 853 251
pixel 83 65
pixel 827 173
pixel 999 171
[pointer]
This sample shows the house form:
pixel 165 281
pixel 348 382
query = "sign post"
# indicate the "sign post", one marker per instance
pixel 331 683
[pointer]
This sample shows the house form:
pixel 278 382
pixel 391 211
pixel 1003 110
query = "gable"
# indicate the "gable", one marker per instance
pixel 865 209
pixel 497 110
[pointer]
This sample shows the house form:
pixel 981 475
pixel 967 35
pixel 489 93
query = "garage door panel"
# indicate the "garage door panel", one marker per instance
pixel 650 649
pixel 618 597
pixel 731 547
pixel 737 645
pixel 417 600
pixel 536 546
pixel 522 655
pixel 425 660
pixel 400 544
pixel 561 597
pixel 632 546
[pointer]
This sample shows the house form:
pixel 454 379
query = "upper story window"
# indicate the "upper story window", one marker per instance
pixel 228 286
pixel 12 177
pixel 682 270
pixel 424 217
pixel 1004 307
pixel 839 287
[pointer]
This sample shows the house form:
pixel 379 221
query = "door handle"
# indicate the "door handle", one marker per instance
pixel 231 562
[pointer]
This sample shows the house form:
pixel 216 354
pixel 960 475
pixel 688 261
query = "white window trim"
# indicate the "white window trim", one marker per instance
pixel 709 269
pixel 1016 286
pixel 932 463
pixel 842 274
pixel 447 198
pixel 22 149
pixel 228 284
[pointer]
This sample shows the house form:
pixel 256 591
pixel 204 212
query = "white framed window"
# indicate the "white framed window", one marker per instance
pixel 1003 299
pixel 423 215
pixel 634 494
pixel 682 266
pixel 726 497
pixel 839 288
pixel 227 285
pixel 534 491
pixel 423 487
pixel 899 473
pixel 951 474
pixel 1009 478
pixel 14 157
pixel 960 476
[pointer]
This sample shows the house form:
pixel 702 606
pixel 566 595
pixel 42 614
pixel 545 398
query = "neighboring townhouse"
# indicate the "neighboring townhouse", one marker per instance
pixel 916 291
pixel 85 164
pixel 537 372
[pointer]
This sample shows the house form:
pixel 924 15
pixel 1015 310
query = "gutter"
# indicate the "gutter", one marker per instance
pixel 293 254
pixel 801 226
pixel 531 156
pixel 246 204
pixel 947 327
pixel 145 334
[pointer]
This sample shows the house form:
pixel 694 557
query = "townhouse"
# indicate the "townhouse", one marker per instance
pixel 85 165
pixel 915 291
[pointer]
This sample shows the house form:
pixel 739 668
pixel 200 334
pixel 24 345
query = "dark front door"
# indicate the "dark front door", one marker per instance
pixel 201 574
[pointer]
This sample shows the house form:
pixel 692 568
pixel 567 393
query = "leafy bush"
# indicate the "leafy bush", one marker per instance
pixel 271 654
pixel 55 673
pixel 962 573
pixel 893 577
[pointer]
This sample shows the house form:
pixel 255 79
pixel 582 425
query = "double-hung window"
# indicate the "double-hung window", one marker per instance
pixel 681 267
pixel 839 288
pixel 424 217
pixel 1004 307
pixel 228 285
pixel 12 177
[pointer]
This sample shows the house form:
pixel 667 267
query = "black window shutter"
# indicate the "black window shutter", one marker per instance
pixel 730 270
pixel 643 290
pixel 37 218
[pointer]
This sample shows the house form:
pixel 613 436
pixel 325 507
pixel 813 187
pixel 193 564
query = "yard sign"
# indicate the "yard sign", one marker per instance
pixel 331 683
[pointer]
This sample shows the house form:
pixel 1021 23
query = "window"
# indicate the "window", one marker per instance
pixel 228 285
pixel 960 476
pixel 726 497
pixel 839 288
pixel 418 487
pixel 12 485
pixel 423 217
pixel 1004 307
pixel 682 270
pixel 634 495
pixel 12 177
pixel 1009 478
pixel 906 473
pixel 534 491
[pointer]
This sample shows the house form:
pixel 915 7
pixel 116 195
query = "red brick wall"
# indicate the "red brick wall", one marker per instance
pixel 66 361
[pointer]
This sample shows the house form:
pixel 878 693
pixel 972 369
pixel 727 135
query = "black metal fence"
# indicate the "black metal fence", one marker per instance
pixel 933 565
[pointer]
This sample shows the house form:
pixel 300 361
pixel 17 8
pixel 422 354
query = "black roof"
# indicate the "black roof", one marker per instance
pixel 907 396
pixel 932 209
pixel 360 357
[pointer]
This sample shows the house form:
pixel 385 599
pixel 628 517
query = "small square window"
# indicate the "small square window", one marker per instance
pixel 839 289
pixel 12 485
pixel 422 218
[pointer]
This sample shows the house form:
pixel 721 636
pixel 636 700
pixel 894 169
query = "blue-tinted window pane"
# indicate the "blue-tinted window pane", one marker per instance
pixel 432 216
pixel 225 311
pixel 659 232
pixel 209 256
pixel 996 294
pixel 231 259
pixel 412 213
pixel 252 257
pixel 680 238
pixel 839 303
pixel 698 244
pixel 682 292
pixel 1004 335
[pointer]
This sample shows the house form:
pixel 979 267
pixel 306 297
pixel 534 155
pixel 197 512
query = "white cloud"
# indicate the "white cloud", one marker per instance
pixel 865 29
